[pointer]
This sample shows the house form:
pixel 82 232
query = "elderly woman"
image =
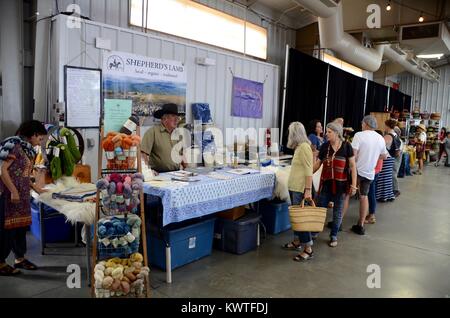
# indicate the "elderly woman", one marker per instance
pixel 299 184
pixel 16 159
pixel 337 158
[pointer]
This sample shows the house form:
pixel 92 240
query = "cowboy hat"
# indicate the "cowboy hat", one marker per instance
pixel 166 109
pixel 422 126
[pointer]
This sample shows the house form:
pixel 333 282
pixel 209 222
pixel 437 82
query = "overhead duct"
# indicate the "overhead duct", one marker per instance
pixel 333 37
pixel 409 64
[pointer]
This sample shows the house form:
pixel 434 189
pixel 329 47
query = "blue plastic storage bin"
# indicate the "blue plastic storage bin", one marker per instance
pixel 188 243
pixel 275 216
pixel 56 227
pixel 238 236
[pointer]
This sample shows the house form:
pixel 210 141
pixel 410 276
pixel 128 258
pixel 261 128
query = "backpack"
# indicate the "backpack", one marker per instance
pixel 395 150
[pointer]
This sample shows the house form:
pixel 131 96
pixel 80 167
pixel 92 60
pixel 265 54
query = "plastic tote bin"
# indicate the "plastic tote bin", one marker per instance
pixel 56 227
pixel 237 236
pixel 275 216
pixel 188 243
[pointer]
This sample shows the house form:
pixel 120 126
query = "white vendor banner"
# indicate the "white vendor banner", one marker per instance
pixel 148 82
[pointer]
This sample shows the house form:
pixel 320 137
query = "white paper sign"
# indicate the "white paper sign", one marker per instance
pixel 83 97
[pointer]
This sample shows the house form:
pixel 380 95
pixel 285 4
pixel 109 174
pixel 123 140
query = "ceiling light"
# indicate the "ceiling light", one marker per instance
pixel 388 7
pixel 430 56
pixel 421 18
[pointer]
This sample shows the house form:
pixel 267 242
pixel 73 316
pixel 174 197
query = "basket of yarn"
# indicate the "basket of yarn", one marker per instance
pixel 121 277
pixel 118 236
pixel 119 193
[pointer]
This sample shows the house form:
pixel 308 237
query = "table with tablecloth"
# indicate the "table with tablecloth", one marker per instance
pixel 186 200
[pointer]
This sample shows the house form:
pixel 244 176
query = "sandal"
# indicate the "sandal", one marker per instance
pixel 26 264
pixel 370 220
pixel 301 258
pixel 8 271
pixel 291 246
pixel 332 243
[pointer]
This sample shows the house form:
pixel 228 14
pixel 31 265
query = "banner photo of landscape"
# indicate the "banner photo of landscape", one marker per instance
pixel 148 82
pixel 247 98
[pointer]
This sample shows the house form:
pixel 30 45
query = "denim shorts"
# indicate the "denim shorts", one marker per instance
pixel 364 185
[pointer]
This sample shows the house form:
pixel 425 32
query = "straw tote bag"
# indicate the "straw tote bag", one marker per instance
pixel 307 218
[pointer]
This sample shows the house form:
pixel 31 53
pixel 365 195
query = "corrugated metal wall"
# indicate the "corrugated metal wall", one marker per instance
pixel 211 84
pixel 429 96
pixel 115 12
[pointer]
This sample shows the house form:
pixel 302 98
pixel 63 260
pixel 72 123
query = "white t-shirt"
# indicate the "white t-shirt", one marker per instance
pixel 423 137
pixel 370 145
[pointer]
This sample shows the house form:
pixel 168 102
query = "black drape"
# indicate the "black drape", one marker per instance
pixel 346 93
pixel 407 103
pixel 305 91
pixel 376 98
pixel 398 100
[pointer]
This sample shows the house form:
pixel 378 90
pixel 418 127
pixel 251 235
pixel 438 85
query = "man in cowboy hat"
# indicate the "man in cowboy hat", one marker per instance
pixel 157 144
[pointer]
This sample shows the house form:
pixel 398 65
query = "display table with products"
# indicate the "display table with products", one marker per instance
pixel 210 193
pixel 201 195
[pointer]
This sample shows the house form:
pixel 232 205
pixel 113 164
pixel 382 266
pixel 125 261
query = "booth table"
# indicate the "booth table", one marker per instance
pixel 187 200
pixel 59 206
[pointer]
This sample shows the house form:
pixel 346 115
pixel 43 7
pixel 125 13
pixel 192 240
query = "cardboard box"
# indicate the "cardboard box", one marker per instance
pixel 232 214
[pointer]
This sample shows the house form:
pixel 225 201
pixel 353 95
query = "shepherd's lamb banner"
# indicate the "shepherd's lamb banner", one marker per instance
pixel 148 82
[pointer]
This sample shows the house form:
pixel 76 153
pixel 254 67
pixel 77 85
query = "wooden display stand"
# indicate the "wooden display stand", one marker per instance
pixel 381 117
pixel 143 238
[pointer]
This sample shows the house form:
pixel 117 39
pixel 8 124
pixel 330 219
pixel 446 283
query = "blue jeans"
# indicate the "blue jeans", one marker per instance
pixel 372 195
pixel 338 199
pixel 305 238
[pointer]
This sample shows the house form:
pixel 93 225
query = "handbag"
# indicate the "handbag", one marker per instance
pixel 307 218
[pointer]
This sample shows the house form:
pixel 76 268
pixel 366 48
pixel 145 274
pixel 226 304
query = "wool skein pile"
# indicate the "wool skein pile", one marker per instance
pixel 120 150
pixel 120 193
pixel 118 236
pixel 121 277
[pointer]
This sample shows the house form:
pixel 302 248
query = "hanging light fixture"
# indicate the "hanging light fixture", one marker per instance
pixel 421 19
pixel 388 7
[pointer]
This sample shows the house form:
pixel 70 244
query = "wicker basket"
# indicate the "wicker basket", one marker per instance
pixel 307 218
pixel 435 116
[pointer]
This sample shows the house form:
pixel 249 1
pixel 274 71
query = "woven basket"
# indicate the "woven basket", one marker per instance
pixel 307 218
pixel 435 116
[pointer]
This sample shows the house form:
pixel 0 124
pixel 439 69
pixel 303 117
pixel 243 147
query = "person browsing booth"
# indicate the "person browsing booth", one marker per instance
pixel 157 143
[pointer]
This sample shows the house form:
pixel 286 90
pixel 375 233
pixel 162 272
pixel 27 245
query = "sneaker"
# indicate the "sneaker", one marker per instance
pixel 397 193
pixel 358 229
pixel 330 225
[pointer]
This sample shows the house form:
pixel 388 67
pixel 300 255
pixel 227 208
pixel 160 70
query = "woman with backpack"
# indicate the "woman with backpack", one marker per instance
pixel 393 145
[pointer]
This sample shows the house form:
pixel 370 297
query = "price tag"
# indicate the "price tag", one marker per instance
pixel 130 125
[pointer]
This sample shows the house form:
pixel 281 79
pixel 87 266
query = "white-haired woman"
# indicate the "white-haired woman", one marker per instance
pixel 337 158
pixel 299 184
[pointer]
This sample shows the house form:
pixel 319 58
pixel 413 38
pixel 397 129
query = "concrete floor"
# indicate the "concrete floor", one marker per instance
pixel 410 242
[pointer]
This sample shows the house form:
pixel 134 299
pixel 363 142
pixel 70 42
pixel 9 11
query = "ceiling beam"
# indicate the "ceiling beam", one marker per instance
pixel 250 3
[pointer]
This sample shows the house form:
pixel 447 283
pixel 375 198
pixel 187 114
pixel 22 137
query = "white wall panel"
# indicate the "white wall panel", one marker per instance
pixel 211 84
pixel 429 96
pixel 115 12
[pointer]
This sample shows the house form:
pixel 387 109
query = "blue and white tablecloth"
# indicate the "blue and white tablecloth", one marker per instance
pixel 195 199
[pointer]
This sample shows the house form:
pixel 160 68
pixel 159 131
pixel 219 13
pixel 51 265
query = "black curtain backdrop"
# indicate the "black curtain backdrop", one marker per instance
pixel 305 91
pixel 376 99
pixel 346 93
pixel 398 100
pixel 407 104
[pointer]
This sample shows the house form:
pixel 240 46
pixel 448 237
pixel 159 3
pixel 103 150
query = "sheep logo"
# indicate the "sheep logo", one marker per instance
pixel 115 63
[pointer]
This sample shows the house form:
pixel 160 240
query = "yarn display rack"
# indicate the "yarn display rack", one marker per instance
pixel 119 254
